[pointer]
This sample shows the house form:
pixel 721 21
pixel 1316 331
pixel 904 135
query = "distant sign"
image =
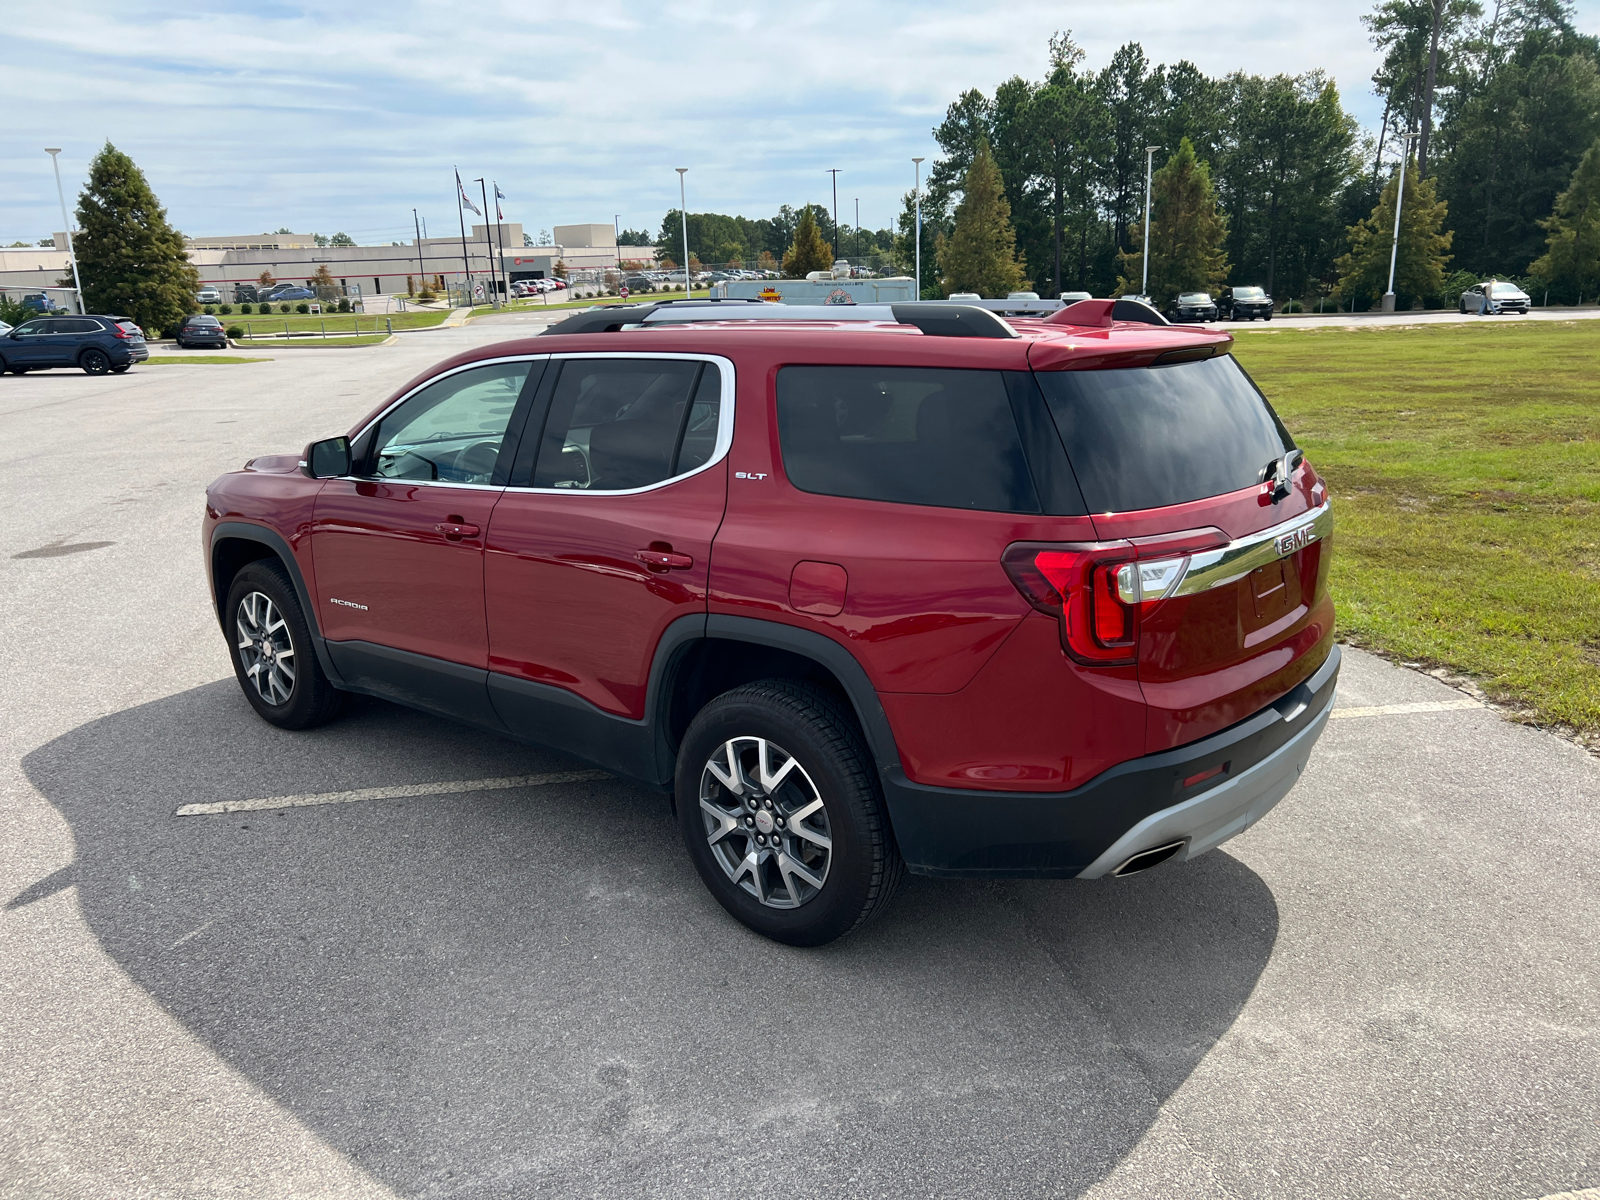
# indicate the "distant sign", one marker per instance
pixel 770 294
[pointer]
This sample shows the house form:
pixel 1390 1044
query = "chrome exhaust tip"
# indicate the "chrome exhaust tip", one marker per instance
pixel 1146 859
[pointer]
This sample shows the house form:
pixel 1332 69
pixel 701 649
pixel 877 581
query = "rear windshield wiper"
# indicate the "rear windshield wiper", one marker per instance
pixel 1279 472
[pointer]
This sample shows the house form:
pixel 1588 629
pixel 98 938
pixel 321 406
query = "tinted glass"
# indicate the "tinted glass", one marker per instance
pixel 451 430
pixel 1248 293
pixel 905 435
pixel 619 424
pixel 1146 437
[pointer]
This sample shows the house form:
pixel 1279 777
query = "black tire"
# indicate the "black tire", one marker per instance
pixel 862 866
pixel 18 370
pixel 310 699
pixel 94 362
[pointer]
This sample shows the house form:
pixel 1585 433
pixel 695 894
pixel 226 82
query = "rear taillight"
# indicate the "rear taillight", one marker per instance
pixel 117 331
pixel 1100 591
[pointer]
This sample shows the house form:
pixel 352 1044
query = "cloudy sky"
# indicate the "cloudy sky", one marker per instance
pixel 251 116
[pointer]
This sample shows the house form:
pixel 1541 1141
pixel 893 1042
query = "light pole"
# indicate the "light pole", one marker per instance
pixel 834 171
pixel 858 231
pixel 1144 284
pixel 683 211
pixel 77 284
pixel 918 193
pixel 1399 198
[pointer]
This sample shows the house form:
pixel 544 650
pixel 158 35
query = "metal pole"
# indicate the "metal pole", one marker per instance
pixel 917 191
pixel 1149 155
pixel 683 211
pixel 858 231
pixel 834 171
pixel 500 241
pixel 422 277
pixel 461 216
pixel 66 221
pixel 488 248
pixel 1399 199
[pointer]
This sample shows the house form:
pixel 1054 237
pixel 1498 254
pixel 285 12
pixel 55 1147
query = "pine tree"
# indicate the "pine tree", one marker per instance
pixel 1186 233
pixel 1419 265
pixel 1571 261
pixel 980 255
pixel 809 251
pixel 132 262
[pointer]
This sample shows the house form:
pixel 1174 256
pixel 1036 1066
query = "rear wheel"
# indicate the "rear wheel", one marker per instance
pixel 270 644
pixel 18 370
pixel 94 362
pixel 779 806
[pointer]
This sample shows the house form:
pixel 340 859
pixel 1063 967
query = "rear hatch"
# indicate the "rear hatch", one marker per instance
pixel 1210 569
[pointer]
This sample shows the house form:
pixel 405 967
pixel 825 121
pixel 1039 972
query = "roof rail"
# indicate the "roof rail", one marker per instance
pixel 937 320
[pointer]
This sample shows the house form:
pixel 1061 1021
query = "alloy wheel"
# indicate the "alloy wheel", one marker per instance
pixel 765 822
pixel 265 648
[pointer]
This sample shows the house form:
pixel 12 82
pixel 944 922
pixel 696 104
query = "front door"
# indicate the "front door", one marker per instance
pixel 604 537
pixel 398 545
pixel 33 344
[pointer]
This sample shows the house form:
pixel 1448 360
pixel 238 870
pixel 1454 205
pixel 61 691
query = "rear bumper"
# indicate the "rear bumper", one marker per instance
pixel 1137 806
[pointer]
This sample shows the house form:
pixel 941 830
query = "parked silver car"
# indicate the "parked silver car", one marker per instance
pixel 1494 296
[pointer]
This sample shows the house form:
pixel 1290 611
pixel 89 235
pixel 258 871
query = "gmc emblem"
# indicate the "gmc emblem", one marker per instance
pixel 1295 540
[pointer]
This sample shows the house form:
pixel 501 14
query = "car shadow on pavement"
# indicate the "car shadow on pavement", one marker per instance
pixel 529 992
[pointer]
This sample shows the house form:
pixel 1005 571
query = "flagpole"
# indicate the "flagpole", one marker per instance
pixel 461 194
pixel 500 238
pixel 488 247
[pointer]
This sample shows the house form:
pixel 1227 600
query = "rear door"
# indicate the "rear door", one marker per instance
pixel 604 537
pixel 1189 466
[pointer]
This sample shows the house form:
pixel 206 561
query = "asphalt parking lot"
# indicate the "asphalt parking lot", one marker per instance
pixel 1388 988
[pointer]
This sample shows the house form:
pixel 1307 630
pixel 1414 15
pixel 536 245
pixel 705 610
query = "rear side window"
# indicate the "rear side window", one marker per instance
pixel 620 424
pixel 944 438
pixel 1147 437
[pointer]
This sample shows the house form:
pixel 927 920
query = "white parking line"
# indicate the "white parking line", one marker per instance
pixel 1416 706
pixel 399 792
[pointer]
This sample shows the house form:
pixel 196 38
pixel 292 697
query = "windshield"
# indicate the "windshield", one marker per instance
pixel 1505 289
pixel 1194 298
pixel 1251 293
pixel 1147 437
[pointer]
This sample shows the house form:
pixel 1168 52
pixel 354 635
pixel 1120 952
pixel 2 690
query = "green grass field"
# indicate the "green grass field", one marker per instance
pixel 1464 466
pixel 304 343
pixel 336 322
pixel 184 360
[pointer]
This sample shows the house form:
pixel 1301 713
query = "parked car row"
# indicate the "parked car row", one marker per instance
pixel 535 287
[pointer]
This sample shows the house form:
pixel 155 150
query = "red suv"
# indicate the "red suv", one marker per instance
pixel 884 588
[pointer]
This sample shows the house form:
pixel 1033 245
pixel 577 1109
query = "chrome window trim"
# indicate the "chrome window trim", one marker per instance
pixel 719 452
pixel 1209 569
pixel 427 383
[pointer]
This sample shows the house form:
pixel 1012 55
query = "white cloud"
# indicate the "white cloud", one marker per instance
pixel 248 118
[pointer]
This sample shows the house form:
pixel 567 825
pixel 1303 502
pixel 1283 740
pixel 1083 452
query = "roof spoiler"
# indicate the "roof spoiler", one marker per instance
pixel 1104 313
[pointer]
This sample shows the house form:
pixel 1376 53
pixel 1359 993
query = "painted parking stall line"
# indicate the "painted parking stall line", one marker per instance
pixel 1394 710
pixel 404 791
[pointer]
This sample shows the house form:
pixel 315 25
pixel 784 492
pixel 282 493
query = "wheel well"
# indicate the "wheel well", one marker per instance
pixel 712 666
pixel 230 556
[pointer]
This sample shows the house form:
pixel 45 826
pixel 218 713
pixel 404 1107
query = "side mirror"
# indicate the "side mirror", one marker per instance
pixel 327 459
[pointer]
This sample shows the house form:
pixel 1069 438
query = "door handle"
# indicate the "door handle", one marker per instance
pixel 454 531
pixel 664 560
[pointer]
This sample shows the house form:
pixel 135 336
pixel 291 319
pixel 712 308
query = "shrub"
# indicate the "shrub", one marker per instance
pixel 344 303
pixel 211 310
pixel 302 307
pixel 427 293
pixel 1294 306
pixel 225 309
pixel 235 331
pixel 245 309
pixel 283 308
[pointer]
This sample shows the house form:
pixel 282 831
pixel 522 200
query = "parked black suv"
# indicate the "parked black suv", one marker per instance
pixel 97 344
pixel 1244 304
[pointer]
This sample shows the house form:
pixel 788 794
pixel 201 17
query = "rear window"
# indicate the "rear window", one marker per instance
pixel 944 438
pixel 1147 437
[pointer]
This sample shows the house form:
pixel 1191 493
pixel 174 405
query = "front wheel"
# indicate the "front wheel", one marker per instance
pixel 779 806
pixel 94 362
pixel 270 644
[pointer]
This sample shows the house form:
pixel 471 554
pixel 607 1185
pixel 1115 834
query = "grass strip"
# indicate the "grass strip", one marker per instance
pixel 329 343
pixel 174 360
pixel 337 322
pixel 1464 465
